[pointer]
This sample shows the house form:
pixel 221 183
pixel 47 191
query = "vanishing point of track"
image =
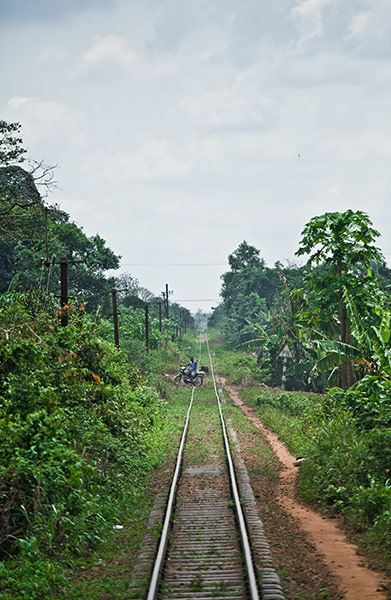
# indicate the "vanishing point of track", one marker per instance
pixel 204 549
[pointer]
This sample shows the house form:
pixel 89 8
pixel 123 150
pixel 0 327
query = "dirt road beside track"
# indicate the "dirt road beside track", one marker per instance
pixel 354 579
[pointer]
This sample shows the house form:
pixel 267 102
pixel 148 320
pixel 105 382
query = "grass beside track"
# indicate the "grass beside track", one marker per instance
pixel 106 573
pixel 304 575
pixel 346 469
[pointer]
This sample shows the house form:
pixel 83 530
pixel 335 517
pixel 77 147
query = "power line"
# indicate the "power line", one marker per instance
pixel 208 264
pixel 197 300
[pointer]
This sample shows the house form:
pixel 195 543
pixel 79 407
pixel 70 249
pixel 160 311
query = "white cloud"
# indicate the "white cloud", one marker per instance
pixel 152 106
pixel 112 49
pixel 46 120
pixel 308 16
pixel 106 52
pixel 154 160
pixel 369 30
pixel 358 26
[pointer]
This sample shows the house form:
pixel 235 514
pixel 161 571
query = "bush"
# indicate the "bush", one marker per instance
pixel 369 401
pixel 75 423
pixel 347 466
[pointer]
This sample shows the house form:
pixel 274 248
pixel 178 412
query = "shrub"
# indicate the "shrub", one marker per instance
pixel 75 421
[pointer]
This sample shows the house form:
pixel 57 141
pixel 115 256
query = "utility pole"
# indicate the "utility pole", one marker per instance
pixel 64 291
pixel 46 234
pixel 146 328
pixel 165 298
pixel 64 294
pixel 115 317
pixel 184 319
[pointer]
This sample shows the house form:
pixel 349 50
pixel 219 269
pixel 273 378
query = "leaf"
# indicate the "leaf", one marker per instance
pixel 256 343
pixel 385 327
pixel 331 360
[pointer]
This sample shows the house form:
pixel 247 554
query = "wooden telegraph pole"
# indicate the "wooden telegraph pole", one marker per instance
pixel 64 291
pixel 64 294
pixel 115 317
pixel 165 299
pixel 146 328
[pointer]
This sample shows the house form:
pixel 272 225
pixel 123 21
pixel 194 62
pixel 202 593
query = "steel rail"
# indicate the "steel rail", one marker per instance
pixel 153 586
pixel 160 556
pixel 252 580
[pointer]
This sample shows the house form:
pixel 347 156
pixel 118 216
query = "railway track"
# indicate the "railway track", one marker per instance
pixel 205 549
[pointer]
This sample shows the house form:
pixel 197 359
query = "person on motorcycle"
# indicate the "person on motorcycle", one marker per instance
pixel 192 367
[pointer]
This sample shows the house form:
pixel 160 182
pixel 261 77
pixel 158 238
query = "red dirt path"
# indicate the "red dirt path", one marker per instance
pixel 356 581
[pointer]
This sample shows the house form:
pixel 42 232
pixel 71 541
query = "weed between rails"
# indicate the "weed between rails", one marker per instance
pixel 206 434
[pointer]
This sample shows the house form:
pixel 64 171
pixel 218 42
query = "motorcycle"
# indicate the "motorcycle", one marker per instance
pixel 187 376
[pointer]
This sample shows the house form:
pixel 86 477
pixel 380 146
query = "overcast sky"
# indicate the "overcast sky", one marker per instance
pixel 183 127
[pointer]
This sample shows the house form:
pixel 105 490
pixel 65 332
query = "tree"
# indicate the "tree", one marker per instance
pixel 29 232
pixel 11 149
pixel 247 290
pixel 342 244
pixel 245 256
pixel 17 193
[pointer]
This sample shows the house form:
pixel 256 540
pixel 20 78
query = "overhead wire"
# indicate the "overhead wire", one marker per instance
pixel 205 264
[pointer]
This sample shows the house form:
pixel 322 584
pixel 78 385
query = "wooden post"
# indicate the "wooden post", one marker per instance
pixel 284 354
pixel 166 300
pixel 46 235
pixel 283 378
pixel 64 291
pixel 160 317
pixel 146 328
pixel 115 317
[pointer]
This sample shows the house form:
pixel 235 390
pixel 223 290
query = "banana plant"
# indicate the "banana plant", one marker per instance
pixel 372 349
pixel 342 244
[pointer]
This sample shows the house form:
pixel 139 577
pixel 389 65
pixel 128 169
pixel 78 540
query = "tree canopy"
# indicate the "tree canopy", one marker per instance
pixel 11 149
pixel 343 245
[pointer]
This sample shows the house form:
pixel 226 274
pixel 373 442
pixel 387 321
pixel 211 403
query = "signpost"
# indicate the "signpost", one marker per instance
pixel 284 354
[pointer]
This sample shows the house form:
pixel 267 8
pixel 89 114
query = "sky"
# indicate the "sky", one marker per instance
pixel 183 127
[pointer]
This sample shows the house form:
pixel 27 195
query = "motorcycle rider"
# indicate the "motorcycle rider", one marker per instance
pixel 192 370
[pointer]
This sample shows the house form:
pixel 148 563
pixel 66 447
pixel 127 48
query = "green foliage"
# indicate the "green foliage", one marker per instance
pixel 346 237
pixel 241 369
pixel 257 309
pixel 342 243
pixel 11 149
pixel 245 256
pixel 75 423
pixel 346 444
pixel 368 401
pixel 23 243
pixel 132 327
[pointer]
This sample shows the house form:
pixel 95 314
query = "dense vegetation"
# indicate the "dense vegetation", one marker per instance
pixel 332 312
pixel 79 417
pixel 335 315
pixel 345 440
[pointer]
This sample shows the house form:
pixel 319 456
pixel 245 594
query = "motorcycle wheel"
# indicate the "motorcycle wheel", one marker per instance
pixel 197 382
pixel 177 379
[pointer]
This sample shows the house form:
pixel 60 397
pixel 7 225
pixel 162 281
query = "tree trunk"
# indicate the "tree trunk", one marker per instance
pixel 346 369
